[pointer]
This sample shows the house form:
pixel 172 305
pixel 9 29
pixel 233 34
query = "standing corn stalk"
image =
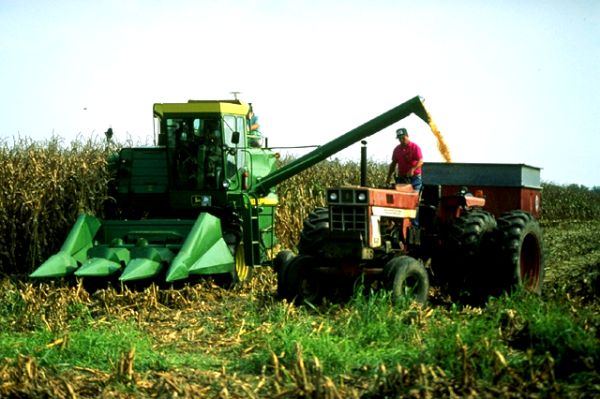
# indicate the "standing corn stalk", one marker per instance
pixel 45 186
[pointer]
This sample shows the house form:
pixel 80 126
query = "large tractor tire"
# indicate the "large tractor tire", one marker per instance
pixel 463 259
pixel 315 231
pixel 299 283
pixel 407 279
pixel 518 254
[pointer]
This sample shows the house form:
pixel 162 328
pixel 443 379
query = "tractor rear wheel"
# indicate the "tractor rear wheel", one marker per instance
pixel 462 260
pixel 407 278
pixel 299 282
pixel 314 233
pixel 518 253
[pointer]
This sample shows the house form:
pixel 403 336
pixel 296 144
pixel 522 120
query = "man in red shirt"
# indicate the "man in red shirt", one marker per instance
pixel 408 158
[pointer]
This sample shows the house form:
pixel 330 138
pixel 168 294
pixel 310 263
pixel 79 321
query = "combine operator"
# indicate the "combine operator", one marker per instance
pixel 408 158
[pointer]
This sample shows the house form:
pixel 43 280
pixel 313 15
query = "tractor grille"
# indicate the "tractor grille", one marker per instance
pixel 349 218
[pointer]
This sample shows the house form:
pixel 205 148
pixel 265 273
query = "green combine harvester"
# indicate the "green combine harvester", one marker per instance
pixel 200 202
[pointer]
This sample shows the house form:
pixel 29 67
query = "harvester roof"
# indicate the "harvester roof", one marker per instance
pixel 202 106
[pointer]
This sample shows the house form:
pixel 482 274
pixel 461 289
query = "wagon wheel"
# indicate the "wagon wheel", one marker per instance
pixel 518 254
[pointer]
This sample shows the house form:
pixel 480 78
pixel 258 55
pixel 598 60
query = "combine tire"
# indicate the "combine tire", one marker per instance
pixel 299 282
pixel 241 272
pixel 462 264
pixel 407 278
pixel 314 233
pixel 519 257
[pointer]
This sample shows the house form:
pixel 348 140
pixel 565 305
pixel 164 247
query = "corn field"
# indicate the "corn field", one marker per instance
pixel 46 185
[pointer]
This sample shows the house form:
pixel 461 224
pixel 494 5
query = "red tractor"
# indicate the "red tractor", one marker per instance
pixel 403 240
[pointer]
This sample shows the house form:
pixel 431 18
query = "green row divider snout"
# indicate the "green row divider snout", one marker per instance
pixel 146 262
pixel 203 252
pixel 103 261
pixel 74 250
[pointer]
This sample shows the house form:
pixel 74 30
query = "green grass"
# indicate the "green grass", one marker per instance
pixel 525 331
pixel 91 346
pixel 521 339
pixel 363 334
pixel 100 347
pixel 555 328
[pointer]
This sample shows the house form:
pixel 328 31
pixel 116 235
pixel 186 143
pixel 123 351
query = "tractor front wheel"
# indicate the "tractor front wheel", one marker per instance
pixel 298 281
pixel 280 264
pixel 407 278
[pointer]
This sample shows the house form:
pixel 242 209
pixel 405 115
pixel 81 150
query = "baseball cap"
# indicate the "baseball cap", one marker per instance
pixel 401 132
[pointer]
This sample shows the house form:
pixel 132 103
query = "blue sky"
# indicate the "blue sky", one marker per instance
pixel 505 81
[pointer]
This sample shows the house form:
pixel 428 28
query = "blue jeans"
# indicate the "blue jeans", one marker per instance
pixel 416 181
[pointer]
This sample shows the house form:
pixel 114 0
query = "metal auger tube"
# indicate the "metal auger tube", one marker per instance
pixel 414 105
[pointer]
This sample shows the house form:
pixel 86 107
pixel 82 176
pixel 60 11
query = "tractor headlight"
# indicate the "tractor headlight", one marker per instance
pixel 361 196
pixel 333 196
